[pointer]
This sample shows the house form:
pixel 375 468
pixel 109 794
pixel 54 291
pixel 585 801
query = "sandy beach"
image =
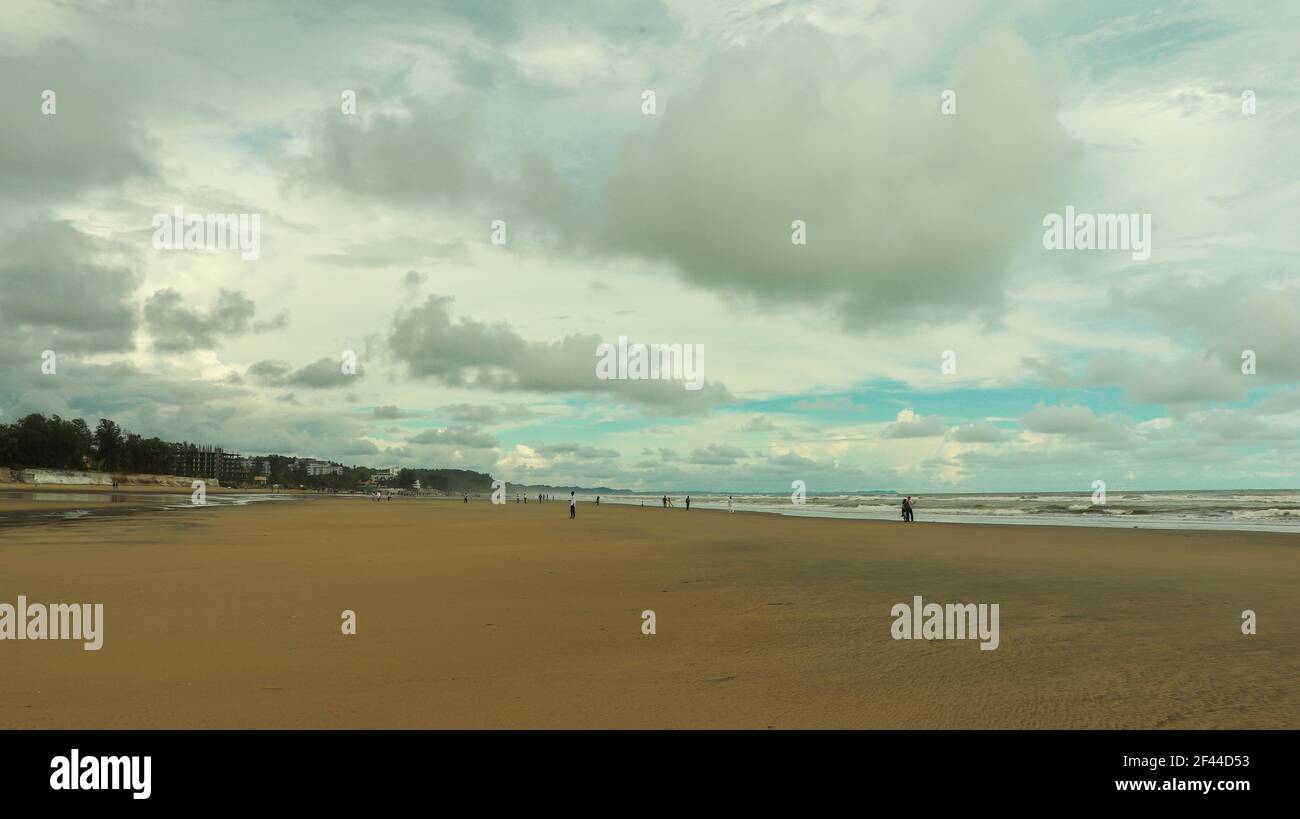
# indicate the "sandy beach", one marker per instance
pixel 476 616
pixel 180 488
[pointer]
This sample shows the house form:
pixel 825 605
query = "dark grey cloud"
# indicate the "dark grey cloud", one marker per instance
pixel 1230 315
pixel 321 374
pixel 1050 373
pixel 1278 403
pixel 91 142
pixel 58 288
pixel 576 451
pixel 357 446
pixel 390 412
pixel 1077 423
pixel 176 328
pixel 435 157
pixel 431 156
pixel 1177 383
pixel 118 390
pixel 487 413
pixel 456 436
pixel 471 353
pixel 805 125
pixel 1229 427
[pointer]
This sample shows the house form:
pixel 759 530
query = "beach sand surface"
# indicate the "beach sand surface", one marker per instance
pixel 482 616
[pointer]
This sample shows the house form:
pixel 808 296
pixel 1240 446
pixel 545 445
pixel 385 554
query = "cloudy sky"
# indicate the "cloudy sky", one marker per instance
pixel 823 361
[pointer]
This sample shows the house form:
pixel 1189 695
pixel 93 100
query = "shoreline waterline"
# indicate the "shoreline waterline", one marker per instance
pixel 1276 511
pixel 1199 510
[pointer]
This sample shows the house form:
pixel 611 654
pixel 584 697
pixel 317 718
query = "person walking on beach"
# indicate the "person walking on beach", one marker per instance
pixel 665 501
pixel 598 500
pixel 730 507
pixel 907 509
pixel 573 506
pixel 688 503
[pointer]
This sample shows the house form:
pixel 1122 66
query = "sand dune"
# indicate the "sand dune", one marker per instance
pixel 514 616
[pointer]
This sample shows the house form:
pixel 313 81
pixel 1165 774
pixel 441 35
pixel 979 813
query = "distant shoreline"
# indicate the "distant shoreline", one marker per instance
pixel 37 512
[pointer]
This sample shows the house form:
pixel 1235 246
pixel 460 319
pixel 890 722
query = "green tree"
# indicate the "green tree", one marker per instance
pixel 109 445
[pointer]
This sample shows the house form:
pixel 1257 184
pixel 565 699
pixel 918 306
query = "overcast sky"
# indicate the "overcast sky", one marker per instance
pixel 823 361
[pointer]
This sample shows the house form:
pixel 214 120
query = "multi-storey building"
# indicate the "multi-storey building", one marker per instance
pixel 199 461
pixel 317 468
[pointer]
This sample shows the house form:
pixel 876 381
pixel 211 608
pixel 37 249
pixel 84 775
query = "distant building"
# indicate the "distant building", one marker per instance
pixel 385 475
pixel 317 468
pixel 234 467
pixel 199 461
pixel 240 468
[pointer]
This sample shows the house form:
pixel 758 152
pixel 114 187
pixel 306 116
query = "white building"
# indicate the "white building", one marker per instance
pixel 317 468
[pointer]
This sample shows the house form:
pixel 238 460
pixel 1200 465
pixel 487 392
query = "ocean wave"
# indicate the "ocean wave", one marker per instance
pixel 1251 509
pixel 1265 514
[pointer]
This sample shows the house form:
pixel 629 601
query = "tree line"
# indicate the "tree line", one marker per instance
pixel 40 442
pixel 57 443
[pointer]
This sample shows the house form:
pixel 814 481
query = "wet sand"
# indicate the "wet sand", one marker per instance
pixel 470 615
pixel 178 488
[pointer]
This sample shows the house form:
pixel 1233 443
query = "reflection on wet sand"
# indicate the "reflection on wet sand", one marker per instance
pixel 20 506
